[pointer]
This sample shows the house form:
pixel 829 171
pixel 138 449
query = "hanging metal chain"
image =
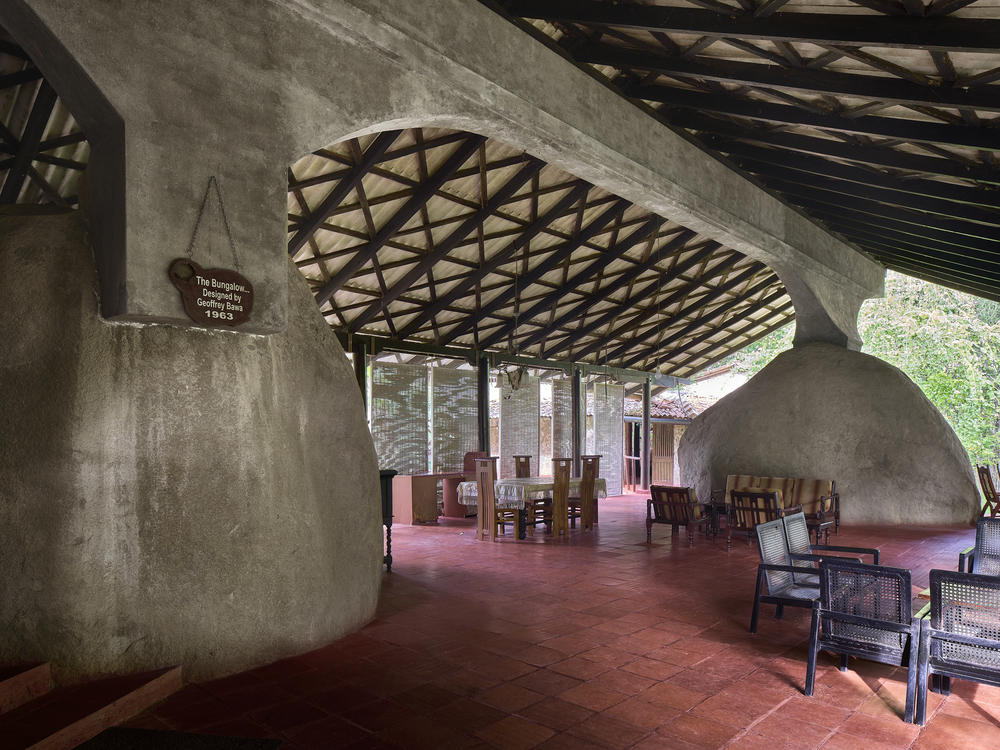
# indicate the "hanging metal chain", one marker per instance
pixel 225 221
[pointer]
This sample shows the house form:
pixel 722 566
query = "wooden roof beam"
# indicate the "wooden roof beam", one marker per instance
pixel 27 147
pixel 790 78
pixel 420 196
pixel 497 259
pixel 909 32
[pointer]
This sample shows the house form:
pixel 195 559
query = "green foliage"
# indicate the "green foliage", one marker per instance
pixel 947 342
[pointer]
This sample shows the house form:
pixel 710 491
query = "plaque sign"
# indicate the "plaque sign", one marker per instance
pixel 212 296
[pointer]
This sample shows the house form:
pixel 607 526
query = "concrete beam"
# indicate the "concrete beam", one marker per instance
pixel 240 91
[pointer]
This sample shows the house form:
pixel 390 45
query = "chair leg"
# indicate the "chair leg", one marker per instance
pixel 690 532
pixel 649 531
pixel 756 601
pixel 921 685
pixel 813 649
pixel 843 662
pixel 911 672
pixel 779 611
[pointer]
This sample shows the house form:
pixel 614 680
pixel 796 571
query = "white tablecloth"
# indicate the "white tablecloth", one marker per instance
pixel 511 493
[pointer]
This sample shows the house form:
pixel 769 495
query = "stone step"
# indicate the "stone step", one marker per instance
pixel 23 683
pixel 67 717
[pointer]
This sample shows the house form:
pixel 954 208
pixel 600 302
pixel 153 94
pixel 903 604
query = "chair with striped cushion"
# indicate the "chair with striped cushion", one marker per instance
pixel 786 583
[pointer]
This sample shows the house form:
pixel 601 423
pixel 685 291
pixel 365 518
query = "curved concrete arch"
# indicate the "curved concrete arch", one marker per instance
pixel 265 83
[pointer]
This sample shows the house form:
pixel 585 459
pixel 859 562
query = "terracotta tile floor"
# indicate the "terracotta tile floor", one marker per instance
pixel 596 642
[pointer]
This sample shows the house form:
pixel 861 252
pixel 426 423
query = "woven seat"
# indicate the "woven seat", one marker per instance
pixel 677 507
pixel 786 584
pixel 984 558
pixel 864 611
pixel 962 636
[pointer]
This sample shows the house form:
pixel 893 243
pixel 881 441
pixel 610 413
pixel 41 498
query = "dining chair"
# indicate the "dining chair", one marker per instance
pixel 583 505
pixel 560 496
pixel 865 611
pixel 490 520
pixel 522 466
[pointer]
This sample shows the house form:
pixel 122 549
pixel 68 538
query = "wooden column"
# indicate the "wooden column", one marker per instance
pixel 579 430
pixel 647 434
pixel 483 400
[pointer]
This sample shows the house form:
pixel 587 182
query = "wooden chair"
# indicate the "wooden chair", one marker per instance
pixel 991 506
pixel 786 583
pixel 584 504
pixel 865 611
pixel 675 506
pixel 560 496
pixel 490 520
pixel 962 636
pixel 747 510
pixel 984 558
pixel 537 510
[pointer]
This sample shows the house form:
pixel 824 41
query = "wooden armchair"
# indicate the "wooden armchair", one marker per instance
pixel 675 506
pixel 865 611
pixel 991 505
pixel 984 558
pixel 747 510
pixel 962 636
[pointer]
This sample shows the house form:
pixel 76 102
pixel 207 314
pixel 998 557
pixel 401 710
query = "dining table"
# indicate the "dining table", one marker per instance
pixel 511 493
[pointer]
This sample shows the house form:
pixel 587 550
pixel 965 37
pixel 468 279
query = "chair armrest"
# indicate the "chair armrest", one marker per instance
pixel 791 510
pixel 818 558
pixel 779 568
pixel 965 558
pixel 860 550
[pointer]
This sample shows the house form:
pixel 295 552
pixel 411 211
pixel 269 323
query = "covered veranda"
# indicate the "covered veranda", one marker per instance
pixel 619 191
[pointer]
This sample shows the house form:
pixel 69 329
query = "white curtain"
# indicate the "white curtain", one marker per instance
pixel 399 417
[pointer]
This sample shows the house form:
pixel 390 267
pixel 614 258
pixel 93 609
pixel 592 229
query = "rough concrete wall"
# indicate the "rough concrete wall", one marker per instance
pixel 170 495
pixel 826 412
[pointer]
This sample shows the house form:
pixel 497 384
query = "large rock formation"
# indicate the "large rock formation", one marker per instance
pixel 822 411
pixel 172 495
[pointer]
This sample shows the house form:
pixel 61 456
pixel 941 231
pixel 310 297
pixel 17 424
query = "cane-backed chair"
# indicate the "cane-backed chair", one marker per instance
pixel 805 554
pixel 747 510
pixel 984 558
pixel 962 636
pixel 991 504
pixel 865 611
pixel 676 506
pixel 583 505
pixel 786 583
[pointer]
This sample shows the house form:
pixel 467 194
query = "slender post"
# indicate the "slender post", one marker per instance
pixel 483 400
pixel 647 448
pixel 578 425
pixel 360 349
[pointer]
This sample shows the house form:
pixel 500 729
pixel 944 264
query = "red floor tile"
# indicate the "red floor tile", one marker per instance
pixel 601 642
